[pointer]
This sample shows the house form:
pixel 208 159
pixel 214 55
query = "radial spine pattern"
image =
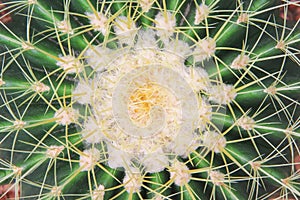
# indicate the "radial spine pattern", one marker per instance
pixel 149 99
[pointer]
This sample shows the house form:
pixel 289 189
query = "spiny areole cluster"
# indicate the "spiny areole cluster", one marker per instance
pixel 142 60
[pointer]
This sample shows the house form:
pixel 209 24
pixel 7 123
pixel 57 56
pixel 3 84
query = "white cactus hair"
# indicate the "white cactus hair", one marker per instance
pixel 149 99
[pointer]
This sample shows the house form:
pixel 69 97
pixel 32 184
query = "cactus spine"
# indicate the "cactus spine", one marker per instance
pixel 149 99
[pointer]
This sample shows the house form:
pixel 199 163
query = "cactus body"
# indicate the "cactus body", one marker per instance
pixel 149 99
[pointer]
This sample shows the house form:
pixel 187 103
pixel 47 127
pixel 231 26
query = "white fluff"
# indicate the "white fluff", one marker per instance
pixel 214 141
pixel 117 158
pixel 92 132
pixel 240 62
pixel 66 115
pixel 205 49
pixel 197 78
pixel 133 181
pixel 70 64
pixel 222 93
pixel 155 162
pixel 89 158
pixel 179 172
pixel 99 57
pixel 165 23
pixel 125 30
pixel 202 13
pixel 99 22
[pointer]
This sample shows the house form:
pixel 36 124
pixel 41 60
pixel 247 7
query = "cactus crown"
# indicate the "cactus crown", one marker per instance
pixel 149 99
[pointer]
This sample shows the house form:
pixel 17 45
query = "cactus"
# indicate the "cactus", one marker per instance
pixel 149 99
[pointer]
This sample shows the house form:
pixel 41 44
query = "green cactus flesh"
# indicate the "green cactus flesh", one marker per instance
pixel 149 99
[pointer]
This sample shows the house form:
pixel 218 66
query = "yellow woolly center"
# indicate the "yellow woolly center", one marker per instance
pixel 144 98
